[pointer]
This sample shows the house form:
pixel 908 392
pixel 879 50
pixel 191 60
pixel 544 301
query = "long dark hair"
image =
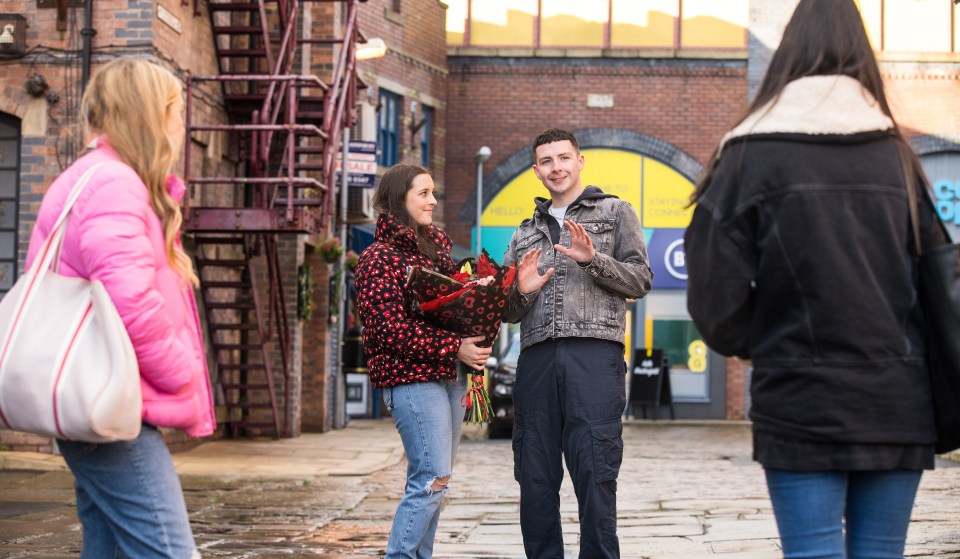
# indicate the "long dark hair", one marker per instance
pixel 823 38
pixel 391 197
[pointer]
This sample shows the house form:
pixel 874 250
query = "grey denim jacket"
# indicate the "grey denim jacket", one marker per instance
pixel 586 301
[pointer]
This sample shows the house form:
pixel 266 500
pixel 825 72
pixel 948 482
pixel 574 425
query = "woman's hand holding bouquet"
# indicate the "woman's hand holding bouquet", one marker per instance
pixel 472 354
pixel 471 305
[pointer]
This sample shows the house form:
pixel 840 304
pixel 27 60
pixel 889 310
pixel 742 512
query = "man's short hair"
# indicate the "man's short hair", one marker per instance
pixel 554 135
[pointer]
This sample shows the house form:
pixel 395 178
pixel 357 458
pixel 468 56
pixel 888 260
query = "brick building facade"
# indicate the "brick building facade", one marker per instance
pixel 434 103
pixel 669 106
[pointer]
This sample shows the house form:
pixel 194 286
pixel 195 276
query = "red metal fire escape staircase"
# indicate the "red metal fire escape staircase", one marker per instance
pixel 287 128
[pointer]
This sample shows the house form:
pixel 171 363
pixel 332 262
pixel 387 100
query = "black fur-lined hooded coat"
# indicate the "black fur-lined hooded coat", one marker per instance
pixel 799 258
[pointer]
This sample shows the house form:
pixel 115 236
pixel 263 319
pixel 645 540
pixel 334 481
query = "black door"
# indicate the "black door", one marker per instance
pixel 9 199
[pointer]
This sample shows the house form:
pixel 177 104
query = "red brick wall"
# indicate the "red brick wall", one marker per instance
pixel 316 391
pixel 924 104
pixel 416 59
pixel 736 388
pixel 50 130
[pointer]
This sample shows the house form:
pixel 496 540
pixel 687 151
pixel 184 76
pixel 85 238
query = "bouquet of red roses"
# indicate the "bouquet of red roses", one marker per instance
pixel 470 304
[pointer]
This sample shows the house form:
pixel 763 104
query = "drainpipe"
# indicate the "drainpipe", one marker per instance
pixel 87 33
pixel 340 419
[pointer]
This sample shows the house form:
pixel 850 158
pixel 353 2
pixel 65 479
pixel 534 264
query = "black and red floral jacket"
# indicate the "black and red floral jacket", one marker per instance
pixel 401 348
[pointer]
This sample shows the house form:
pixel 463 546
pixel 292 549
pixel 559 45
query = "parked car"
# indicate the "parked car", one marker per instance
pixel 502 378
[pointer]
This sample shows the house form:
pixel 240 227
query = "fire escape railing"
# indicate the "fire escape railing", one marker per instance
pixel 268 119
pixel 342 95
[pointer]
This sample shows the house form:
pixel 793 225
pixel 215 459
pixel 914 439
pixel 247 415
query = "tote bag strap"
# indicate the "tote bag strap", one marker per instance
pixel 59 229
pixel 55 238
pixel 41 264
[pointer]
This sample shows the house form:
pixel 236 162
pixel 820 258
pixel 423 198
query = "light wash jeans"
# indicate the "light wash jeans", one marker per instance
pixel 129 499
pixel 843 515
pixel 428 416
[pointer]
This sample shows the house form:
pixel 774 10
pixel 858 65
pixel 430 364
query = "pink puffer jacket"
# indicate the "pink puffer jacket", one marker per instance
pixel 113 235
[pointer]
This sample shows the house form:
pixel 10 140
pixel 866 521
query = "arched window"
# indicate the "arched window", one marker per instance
pixel 9 199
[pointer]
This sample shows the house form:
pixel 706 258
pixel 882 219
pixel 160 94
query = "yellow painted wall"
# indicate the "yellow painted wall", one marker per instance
pixel 573 23
pixel 502 22
pixel 456 21
pixel 665 195
pixel 900 25
pixel 713 24
pixel 644 24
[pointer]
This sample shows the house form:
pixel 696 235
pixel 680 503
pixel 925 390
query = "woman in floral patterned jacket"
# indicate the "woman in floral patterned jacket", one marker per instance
pixel 414 362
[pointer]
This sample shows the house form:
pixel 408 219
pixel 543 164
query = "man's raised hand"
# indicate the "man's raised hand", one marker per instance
pixel 581 245
pixel 529 279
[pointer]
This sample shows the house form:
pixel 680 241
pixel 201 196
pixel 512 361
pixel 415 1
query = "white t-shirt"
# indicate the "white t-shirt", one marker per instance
pixel 558 214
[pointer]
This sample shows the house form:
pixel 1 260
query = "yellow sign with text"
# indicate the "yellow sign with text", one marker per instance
pixel 666 194
pixel 698 356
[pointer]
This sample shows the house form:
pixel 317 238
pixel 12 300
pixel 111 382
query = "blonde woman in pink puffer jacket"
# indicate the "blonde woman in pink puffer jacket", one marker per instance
pixel 125 232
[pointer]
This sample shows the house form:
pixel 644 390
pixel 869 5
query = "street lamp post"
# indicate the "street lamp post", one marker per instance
pixel 482 155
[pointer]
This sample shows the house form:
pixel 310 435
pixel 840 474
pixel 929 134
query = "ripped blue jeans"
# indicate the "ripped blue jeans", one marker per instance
pixel 428 416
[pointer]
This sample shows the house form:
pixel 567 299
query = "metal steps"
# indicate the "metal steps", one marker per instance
pixel 239 338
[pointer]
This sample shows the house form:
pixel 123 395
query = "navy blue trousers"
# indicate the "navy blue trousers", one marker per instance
pixel 568 402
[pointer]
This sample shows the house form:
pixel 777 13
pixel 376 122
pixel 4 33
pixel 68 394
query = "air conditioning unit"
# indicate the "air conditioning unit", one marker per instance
pixel 360 205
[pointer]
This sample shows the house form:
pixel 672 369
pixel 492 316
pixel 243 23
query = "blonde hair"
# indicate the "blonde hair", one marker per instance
pixel 127 101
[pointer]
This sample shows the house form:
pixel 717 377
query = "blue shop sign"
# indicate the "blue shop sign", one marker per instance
pixel 667 259
pixel 947 199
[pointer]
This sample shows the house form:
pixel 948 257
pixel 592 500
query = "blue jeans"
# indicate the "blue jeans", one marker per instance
pixel 129 499
pixel 428 416
pixel 813 508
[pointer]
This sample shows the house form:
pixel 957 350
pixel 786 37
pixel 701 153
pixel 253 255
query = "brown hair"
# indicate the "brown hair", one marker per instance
pixel 391 197
pixel 554 135
pixel 127 101
pixel 823 37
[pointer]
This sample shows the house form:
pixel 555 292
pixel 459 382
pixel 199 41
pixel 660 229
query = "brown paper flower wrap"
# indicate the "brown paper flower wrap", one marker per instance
pixel 463 305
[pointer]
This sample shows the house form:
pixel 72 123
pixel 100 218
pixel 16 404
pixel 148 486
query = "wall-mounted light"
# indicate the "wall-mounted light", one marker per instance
pixel 373 48
pixel 13 35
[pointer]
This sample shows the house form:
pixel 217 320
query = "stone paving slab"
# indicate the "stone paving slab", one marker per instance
pixel 364 448
pixel 686 491
pixel 34 461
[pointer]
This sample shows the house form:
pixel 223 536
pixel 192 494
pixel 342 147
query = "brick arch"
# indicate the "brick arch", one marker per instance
pixel 588 138
pixel 6 117
pixel 8 107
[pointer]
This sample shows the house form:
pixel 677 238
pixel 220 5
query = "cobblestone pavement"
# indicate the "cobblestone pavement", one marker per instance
pixel 686 491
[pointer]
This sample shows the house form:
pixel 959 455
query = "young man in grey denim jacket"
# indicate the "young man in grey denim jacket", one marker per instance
pixel 578 259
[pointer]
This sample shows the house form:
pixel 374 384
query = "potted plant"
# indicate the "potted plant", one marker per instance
pixel 330 250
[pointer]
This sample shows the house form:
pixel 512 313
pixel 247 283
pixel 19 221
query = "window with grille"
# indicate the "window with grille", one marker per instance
pixel 388 127
pixel 9 199
pixel 426 131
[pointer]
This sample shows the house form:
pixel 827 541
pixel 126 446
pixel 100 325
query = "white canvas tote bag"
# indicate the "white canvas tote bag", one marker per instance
pixel 67 366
